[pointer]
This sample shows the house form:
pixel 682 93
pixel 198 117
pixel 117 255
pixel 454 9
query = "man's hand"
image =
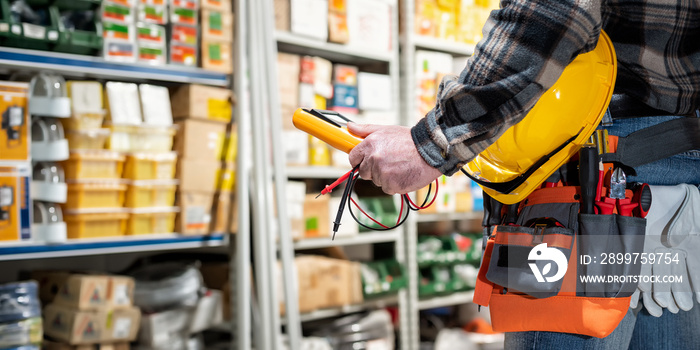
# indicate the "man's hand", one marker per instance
pixel 388 157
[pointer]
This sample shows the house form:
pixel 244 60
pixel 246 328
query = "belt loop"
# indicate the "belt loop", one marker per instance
pixel 607 118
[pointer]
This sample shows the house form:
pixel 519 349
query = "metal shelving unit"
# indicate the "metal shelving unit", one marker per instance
pixel 111 245
pixel 446 300
pixel 96 67
pixel 362 238
pixel 384 62
pixel 79 66
pixel 410 42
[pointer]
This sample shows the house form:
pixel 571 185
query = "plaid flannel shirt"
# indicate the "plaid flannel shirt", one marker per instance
pixel 525 48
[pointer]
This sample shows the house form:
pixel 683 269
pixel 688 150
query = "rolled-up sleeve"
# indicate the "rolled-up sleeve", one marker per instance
pixel 526 46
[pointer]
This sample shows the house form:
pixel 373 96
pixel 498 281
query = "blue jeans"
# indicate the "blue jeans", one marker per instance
pixel 638 330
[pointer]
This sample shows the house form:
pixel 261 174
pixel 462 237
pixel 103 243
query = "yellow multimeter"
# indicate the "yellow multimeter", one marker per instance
pixel 329 126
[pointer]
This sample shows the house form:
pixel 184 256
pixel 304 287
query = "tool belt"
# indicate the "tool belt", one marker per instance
pixel 508 285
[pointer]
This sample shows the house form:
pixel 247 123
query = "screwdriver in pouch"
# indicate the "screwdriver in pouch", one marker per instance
pixel 588 177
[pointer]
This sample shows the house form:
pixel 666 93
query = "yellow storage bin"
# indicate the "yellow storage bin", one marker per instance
pixel 145 222
pixel 94 165
pixel 141 138
pixel 150 166
pixel 103 194
pixel 87 139
pixel 142 194
pixel 83 121
pixel 95 225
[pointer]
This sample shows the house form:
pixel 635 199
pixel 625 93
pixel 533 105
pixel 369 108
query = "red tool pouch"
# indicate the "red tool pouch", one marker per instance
pixel 509 285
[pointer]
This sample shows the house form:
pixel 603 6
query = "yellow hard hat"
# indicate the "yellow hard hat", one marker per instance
pixel 554 130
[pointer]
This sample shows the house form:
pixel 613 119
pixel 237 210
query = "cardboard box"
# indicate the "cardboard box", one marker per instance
pixel 282 15
pixel 374 91
pixel 14 112
pixel 49 345
pixel 288 68
pixel 217 56
pixel 221 5
pixel 197 175
pixel 195 212
pixel 216 276
pixel 325 282
pixel 203 102
pixel 338 22
pixel 217 25
pixel 199 139
pixel 79 291
pixel 91 326
pixel 85 291
pixel 15 204
pixel 221 211
pixel 345 99
pixel 316 219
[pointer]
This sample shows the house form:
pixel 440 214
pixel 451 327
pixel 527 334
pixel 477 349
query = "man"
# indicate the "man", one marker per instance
pixel 525 48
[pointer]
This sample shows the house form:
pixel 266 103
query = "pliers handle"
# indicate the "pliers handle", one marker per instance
pixel 607 206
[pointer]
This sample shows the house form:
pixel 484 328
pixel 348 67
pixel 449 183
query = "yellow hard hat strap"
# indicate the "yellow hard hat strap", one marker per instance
pixel 509 186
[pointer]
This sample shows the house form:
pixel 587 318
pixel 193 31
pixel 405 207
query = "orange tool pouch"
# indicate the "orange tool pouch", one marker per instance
pixel 507 281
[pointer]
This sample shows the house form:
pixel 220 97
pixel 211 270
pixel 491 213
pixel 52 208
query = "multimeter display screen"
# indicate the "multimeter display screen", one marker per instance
pixel 332 117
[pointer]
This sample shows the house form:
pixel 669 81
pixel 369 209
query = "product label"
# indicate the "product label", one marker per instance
pixel 215 23
pixel 121 295
pixel 185 35
pixel 196 218
pixel 215 53
pixel 219 109
pixel 34 31
pixel 117 12
pixel 116 31
pixel 184 55
pixel 122 328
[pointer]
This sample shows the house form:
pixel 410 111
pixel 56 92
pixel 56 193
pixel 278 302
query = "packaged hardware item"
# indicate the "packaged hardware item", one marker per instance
pixel 14 126
pixel 116 12
pixel 95 194
pixel 217 56
pixel 47 223
pixel 85 291
pixel 184 34
pixel 183 15
pixel 21 301
pixel 184 55
pixel 15 203
pixel 86 99
pixel 119 51
pixel 155 103
pixel 151 193
pixel 217 25
pixel 48 140
pixel 152 55
pixel 166 286
pixel 48 96
pixel 151 34
pixel 202 102
pixel 219 5
pixel 91 326
pixel 195 212
pixel 338 22
pixel 197 175
pixel 20 333
pixel 48 182
pixel 152 14
pixel 123 103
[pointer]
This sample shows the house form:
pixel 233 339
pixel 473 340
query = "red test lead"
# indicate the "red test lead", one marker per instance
pixel 329 188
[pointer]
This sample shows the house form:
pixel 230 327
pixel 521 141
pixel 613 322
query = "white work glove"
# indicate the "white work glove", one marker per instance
pixel 671 228
pixel 389 158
